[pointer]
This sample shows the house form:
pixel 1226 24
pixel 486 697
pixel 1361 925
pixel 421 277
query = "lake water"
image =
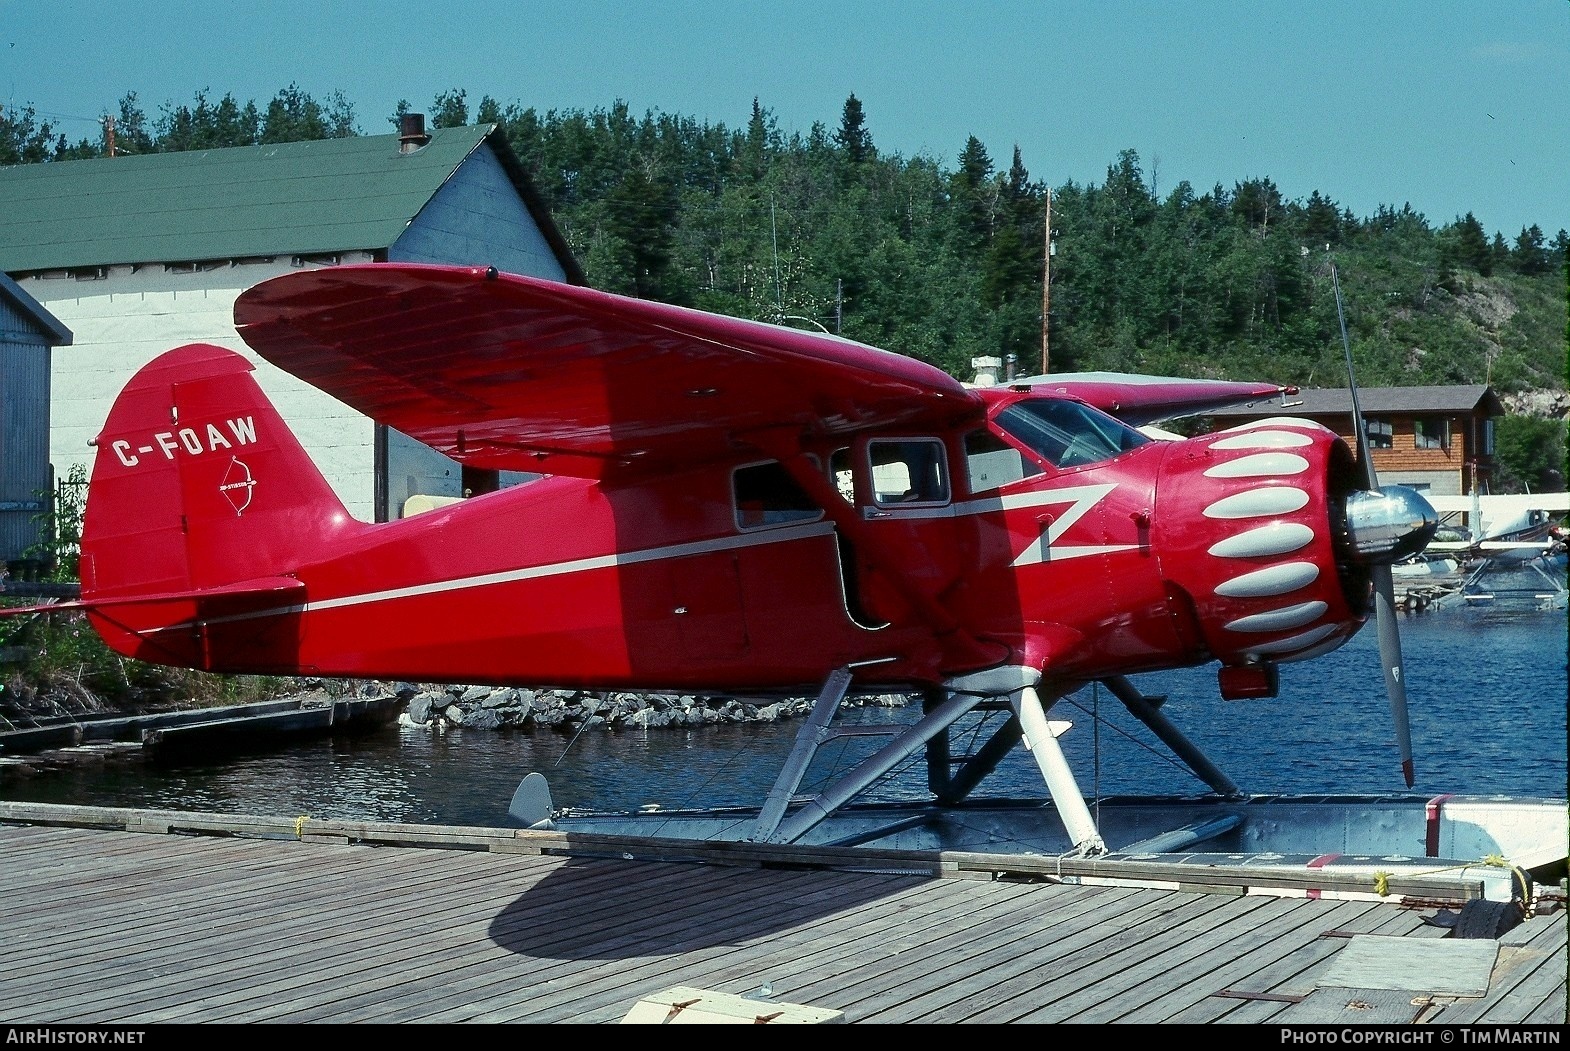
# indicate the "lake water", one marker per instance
pixel 1487 697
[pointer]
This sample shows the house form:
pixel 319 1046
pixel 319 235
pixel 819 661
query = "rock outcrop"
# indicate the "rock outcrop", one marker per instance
pixel 516 708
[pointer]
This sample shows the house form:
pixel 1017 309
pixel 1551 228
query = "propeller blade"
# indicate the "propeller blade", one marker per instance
pixel 1358 426
pixel 1383 580
pixel 1390 659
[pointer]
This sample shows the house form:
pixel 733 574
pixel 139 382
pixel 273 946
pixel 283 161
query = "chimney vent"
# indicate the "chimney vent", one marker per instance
pixel 411 132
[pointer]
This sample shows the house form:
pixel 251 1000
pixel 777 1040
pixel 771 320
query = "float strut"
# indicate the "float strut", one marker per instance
pixel 811 735
pixel 1142 709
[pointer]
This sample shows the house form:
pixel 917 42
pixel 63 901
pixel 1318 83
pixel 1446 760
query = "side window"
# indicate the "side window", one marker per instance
pixel 908 470
pixel 844 478
pixel 766 495
pixel 1432 433
pixel 992 462
pixel 1380 434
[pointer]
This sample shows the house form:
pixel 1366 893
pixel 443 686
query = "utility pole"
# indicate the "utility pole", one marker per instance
pixel 1046 282
pixel 109 136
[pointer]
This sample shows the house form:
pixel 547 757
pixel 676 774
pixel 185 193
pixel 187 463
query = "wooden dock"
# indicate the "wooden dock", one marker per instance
pixel 130 917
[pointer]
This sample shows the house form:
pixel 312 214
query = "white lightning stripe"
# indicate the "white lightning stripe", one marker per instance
pixel 625 558
pixel 1033 553
pixel 1083 498
pixel 1039 498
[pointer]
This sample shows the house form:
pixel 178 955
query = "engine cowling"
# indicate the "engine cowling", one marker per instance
pixel 1264 530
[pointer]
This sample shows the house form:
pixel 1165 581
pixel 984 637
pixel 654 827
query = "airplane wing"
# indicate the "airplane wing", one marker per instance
pixel 1509 505
pixel 516 373
pixel 1141 400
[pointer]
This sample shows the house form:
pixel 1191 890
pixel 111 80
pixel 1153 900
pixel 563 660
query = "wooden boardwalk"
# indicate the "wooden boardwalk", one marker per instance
pixel 233 922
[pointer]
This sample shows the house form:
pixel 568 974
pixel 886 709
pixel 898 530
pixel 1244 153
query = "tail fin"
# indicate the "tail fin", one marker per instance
pixel 200 497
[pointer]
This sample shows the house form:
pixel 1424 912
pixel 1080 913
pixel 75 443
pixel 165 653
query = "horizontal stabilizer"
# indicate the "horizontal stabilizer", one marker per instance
pixel 285 589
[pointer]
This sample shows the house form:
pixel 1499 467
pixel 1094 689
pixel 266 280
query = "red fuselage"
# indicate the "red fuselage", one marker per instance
pixel 1069 543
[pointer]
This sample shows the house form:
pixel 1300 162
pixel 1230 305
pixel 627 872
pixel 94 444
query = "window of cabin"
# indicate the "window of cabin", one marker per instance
pixel 1432 433
pixel 1068 433
pixel 842 474
pixel 908 471
pixel 992 462
pixel 1486 445
pixel 766 495
pixel 1380 434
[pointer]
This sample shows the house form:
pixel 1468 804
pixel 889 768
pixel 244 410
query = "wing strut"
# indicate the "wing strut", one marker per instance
pixel 1149 713
pixel 1041 737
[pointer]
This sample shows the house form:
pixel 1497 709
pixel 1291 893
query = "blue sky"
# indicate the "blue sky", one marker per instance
pixel 1449 106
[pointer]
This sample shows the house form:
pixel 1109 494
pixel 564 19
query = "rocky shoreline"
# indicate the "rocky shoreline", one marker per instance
pixel 32 742
pixel 478 707
pixel 517 708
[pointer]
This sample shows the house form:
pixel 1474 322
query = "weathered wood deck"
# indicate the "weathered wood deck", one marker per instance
pixel 264 920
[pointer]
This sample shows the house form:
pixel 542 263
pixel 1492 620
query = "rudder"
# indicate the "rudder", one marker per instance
pixel 198 483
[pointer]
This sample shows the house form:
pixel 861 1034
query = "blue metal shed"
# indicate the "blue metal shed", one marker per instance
pixel 28 332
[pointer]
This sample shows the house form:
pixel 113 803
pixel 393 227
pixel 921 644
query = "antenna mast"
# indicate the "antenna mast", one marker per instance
pixel 774 230
pixel 1046 282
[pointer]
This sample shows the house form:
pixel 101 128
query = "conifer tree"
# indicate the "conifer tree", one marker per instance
pixel 853 136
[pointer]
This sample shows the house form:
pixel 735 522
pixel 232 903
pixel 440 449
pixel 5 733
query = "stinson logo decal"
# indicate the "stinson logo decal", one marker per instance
pixel 237 485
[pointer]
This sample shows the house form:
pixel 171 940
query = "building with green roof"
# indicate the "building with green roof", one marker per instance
pixel 139 254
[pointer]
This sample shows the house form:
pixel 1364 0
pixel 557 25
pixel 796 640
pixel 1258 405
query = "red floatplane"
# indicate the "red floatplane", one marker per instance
pixel 736 507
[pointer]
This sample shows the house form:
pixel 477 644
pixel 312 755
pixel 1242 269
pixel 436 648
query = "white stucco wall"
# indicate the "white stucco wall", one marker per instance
pixel 131 314
pixel 125 319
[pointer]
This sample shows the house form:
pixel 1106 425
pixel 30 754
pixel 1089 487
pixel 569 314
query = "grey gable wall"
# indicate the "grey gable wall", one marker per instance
pixel 478 218
pixel 475 219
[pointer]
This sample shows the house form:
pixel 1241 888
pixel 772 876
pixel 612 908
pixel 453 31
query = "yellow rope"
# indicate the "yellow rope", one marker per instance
pixel 299 825
pixel 1520 881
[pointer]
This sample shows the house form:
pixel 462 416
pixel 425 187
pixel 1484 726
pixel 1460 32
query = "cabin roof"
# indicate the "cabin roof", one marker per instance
pixel 320 197
pixel 1387 401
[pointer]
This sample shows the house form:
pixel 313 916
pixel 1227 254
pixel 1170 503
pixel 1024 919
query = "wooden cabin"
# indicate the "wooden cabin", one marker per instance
pixel 1438 440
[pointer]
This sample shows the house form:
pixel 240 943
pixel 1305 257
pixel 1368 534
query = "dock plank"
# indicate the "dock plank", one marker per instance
pixel 292 972
pixel 264 931
pixel 812 922
pixel 190 871
pixel 237 920
pixel 999 985
pixel 1529 974
pixel 623 933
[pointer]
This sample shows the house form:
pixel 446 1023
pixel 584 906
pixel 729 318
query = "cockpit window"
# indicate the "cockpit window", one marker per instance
pixel 994 463
pixel 1068 433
